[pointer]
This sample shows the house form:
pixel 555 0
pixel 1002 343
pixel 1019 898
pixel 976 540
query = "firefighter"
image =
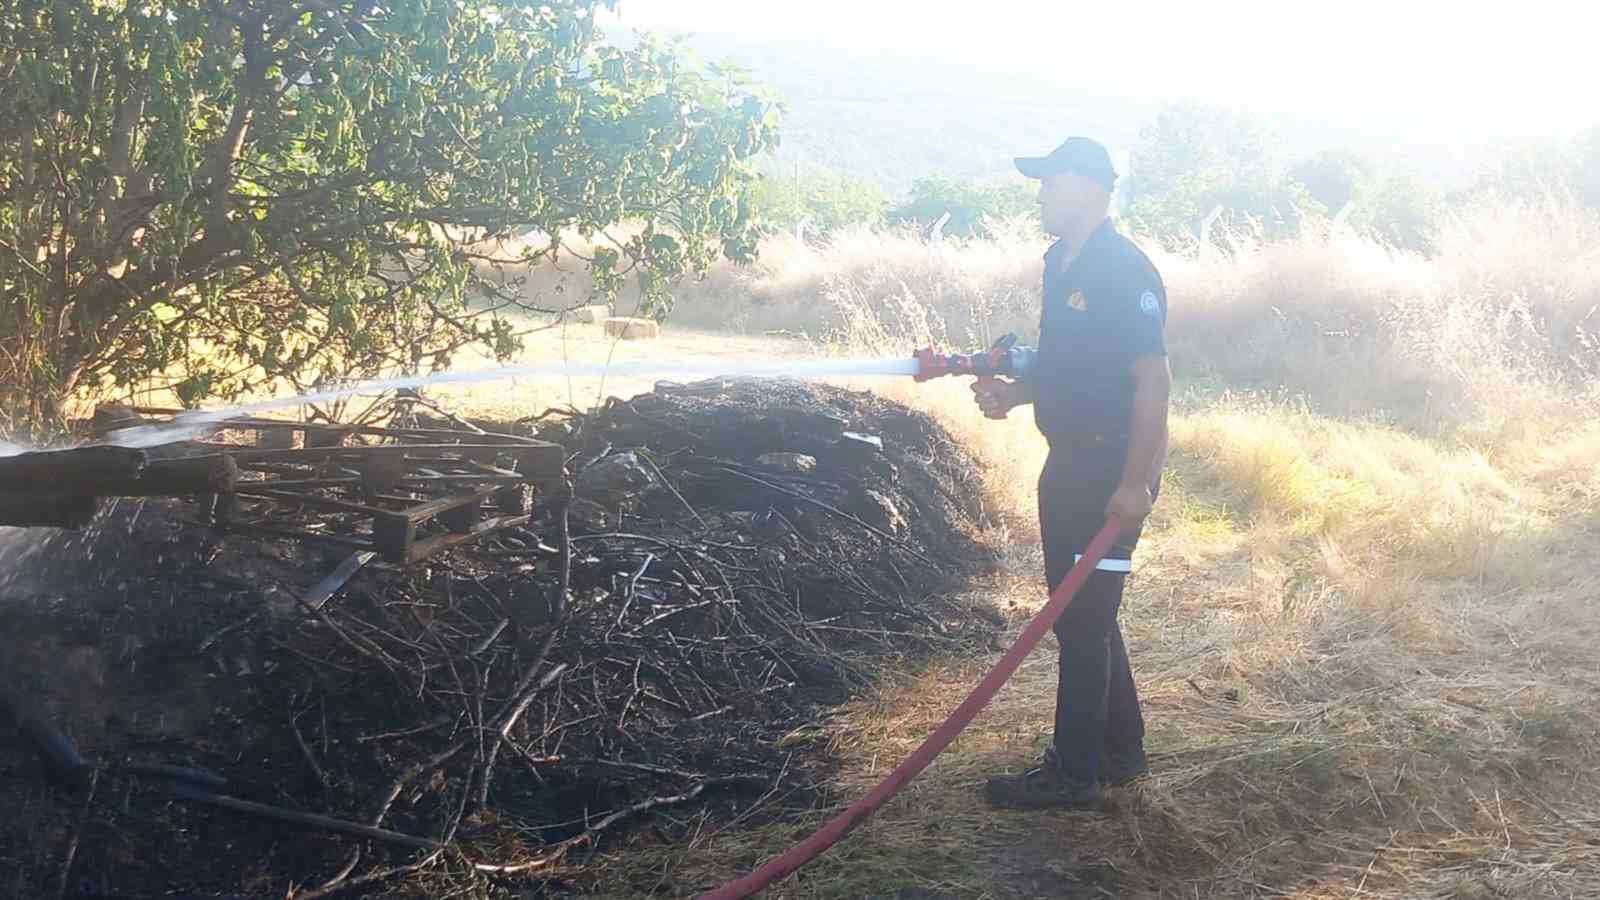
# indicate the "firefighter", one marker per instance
pixel 1099 390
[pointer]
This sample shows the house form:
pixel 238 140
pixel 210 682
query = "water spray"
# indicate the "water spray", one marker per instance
pixel 192 424
pixel 1004 358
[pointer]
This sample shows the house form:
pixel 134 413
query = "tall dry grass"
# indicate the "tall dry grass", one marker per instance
pixel 969 290
pixel 1497 328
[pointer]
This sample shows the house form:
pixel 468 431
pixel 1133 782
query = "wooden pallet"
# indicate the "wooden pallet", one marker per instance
pixel 403 494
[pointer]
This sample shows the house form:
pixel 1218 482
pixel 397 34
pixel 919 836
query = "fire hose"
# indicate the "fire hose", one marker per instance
pixel 809 849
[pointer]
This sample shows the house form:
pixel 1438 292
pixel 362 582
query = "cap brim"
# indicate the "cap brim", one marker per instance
pixel 1035 166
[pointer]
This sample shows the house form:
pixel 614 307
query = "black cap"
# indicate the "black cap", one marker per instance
pixel 1082 155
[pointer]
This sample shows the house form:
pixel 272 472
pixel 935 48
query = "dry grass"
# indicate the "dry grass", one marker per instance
pixel 1504 314
pixel 973 286
pixel 1353 688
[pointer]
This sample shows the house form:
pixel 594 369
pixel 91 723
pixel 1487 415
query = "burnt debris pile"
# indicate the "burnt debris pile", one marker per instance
pixel 733 558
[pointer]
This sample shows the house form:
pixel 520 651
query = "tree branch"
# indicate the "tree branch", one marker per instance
pixel 124 126
pixel 251 82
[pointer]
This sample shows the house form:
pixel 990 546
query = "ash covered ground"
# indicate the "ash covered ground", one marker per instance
pixel 739 557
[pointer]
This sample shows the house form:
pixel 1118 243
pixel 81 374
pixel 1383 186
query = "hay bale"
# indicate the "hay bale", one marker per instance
pixel 590 315
pixel 631 329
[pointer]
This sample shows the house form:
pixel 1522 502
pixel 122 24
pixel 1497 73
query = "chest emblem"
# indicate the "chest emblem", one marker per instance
pixel 1076 301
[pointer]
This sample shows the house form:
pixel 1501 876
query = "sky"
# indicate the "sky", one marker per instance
pixel 1509 71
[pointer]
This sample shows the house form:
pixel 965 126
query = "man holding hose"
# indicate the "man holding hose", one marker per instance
pixel 1099 389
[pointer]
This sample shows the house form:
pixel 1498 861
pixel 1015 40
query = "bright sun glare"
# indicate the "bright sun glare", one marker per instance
pixel 1446 72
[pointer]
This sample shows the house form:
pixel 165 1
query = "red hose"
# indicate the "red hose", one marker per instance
pixel 826 836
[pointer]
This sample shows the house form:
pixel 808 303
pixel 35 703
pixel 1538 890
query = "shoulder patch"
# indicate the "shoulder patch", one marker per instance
pixel 1076 301
pixel 1149 304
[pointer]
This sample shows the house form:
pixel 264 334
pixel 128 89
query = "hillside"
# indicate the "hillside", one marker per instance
pixel 892 117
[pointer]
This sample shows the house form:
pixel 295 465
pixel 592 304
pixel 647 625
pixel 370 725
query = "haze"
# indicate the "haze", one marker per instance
pixel 1419 73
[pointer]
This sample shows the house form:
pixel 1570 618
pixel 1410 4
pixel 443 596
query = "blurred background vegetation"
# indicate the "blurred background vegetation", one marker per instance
pixel 881 139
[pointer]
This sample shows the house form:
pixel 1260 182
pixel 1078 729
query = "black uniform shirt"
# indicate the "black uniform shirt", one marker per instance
pixel 1106 308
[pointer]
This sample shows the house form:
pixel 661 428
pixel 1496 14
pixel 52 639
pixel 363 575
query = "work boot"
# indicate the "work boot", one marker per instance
pixel 1042 787
pixel 1117 769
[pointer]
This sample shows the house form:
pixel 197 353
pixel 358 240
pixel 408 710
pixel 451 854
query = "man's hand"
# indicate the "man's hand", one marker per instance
pixel 1130 504
pixel 997 398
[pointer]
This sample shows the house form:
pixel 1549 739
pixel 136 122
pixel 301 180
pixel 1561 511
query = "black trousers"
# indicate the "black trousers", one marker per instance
pixel 1097 704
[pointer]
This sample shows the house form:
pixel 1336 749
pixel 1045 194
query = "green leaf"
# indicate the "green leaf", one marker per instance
pixel 429 122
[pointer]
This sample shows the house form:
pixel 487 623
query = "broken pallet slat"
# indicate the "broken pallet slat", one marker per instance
pixel 536 461
pixel 421 550
pixel 324 590
pixel 182 476
pixel 409 482
pixel 264 530
pixel 433 508
pixel 326 503
pixel 82 470
pixel 379 431
pixel 106 471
